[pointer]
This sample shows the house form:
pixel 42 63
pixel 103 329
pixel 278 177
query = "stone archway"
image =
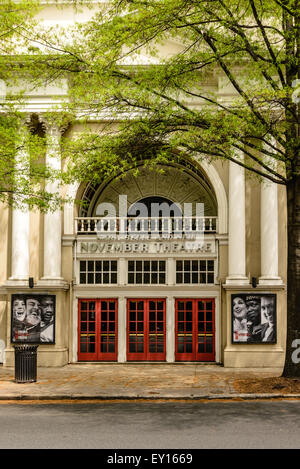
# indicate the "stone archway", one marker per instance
pixel 176 183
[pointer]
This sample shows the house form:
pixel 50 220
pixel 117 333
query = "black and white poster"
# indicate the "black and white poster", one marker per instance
pixel 33 318
pixel 253 318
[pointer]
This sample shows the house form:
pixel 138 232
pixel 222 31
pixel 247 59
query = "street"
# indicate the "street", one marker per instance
pixel 151 425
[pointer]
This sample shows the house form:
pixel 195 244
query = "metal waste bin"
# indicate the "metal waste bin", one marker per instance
pixel 25 363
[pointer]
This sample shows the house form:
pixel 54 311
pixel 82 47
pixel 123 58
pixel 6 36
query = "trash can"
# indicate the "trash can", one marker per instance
pixel 25 363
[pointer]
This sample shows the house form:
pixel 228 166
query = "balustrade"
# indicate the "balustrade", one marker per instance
pixel 149 227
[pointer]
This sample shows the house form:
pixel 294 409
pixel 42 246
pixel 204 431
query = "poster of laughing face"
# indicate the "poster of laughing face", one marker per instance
pixel 33 318
pixel 253 318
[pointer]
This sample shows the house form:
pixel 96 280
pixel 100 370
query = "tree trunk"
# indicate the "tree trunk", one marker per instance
pixel 292 359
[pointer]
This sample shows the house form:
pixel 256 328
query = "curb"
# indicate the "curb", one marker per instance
pixel 210 397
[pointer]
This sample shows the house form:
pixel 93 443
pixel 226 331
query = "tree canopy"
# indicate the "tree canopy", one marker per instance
pixel 230 84
pixel 22 150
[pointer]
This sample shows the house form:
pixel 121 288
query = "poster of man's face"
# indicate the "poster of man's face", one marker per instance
pixel 253 318
pixel 33 318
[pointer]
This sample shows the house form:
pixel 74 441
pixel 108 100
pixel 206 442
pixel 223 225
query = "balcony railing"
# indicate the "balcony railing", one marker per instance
pixel 154 227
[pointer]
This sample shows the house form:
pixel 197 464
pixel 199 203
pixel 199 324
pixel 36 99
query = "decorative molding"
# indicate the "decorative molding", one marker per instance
pixel 248 289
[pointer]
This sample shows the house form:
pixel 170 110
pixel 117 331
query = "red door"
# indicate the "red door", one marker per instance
pixel 195 330
pixel 146 330
pixel 97 330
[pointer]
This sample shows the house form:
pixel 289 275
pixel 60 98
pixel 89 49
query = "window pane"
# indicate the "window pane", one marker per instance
pixel 139 277
pixel 210 278
pixel 194 277
pixel 180 316
pixel 146 277
pixel 151 315
pixel 187 277
pixel 202 278
pixel 82 278
pixel 189 316
pixel 111 347
pixel 104 315
pixel 154 277
pixel 113 277
pixel 91 347
pixel 105 278
pixel 98 278
pixel 132 316
pixel 130 277
pixel 140 315
pixel 162 278
pixel 178 278
pixel 83 347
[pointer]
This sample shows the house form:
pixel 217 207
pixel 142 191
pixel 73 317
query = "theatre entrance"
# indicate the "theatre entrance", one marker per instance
pixel 195 330
pixel 146 326
pixel 97 331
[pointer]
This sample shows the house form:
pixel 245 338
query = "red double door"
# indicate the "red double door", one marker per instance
pixel 97 331
pixel 146 329
pixel 195 330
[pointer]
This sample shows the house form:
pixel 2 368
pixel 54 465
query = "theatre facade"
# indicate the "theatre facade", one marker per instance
pixel 182 263
pixel 176 285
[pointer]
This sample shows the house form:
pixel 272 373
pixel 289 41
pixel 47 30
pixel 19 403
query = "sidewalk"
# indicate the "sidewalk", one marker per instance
pixel 139 381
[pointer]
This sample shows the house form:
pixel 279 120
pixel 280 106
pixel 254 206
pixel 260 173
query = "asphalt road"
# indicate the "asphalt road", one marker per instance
pixel 139 425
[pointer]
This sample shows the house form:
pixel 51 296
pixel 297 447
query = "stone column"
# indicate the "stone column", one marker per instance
pixel 20 226
pixel 237 225
pixel 269 234
pixel 52 220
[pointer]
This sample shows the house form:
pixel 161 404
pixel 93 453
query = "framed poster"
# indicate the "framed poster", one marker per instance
pixel 33 318
pixel 253 318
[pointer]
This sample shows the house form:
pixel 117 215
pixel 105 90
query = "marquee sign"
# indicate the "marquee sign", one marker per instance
pixel 163 247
